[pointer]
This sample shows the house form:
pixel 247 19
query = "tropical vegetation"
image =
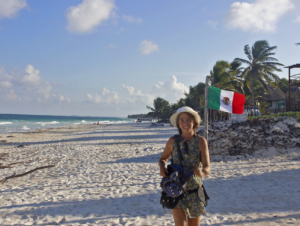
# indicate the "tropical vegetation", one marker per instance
pixel 261 65
pixel 252 76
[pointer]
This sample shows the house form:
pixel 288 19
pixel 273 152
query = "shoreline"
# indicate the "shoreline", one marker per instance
pixel 10 123
pixel 108 175
pixel 59 127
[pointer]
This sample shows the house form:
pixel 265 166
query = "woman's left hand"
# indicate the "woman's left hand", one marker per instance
pixel 198 172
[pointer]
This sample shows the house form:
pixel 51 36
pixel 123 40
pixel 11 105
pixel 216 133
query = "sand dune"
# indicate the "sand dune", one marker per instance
pixel 108 175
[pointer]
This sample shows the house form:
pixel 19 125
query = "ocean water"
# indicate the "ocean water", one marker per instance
pixel 21 123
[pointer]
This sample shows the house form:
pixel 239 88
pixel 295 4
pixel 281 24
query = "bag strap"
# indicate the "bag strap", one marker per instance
pixel 177 138
pixel 206 195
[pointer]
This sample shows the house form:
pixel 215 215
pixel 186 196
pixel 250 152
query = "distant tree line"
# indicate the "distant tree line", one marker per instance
pixel 252 76
pixel 137 116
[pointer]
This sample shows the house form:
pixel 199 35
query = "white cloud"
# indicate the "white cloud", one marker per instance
pixel 147 47
pixel 11 95
pixel 6 84
pixel 31 76
pixel 130 89
pixel 259 16
pixel 172 90
pixel 88 15
pixel 32 81
pixel 97 98
pixel 64 99
pixel 131 19
pixel 3 75
pixel 27 86
pixel 212 24
pixel 137 97
pixel 89 97
pixel 10 8
pixel 45 89
pixel 135 100
pixel 106 97
pixel 105 91
pixel 61 98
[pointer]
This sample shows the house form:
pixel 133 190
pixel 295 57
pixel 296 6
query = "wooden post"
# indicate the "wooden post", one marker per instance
pixel 206 110
pixel 289 108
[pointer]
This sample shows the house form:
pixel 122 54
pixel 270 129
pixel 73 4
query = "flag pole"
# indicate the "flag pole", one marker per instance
pixel 206 110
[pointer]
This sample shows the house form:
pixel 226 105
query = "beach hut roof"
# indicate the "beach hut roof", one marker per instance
pixel 274 94
pixel 293 66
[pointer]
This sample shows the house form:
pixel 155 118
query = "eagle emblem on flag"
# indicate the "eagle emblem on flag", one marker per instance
pixel 226 101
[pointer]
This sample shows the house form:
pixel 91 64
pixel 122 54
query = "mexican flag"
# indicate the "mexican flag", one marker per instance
pixel 227 101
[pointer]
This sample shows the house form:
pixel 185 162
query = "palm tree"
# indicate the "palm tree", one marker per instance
pixel 160 105
pixel 260 65
pixel 225 75
pixel 283 84
pixel 195 96
pixel 180 103
pixel 258 88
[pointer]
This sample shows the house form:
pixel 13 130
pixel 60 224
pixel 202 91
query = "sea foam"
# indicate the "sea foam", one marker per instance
pixel 25 128
pixel 5 123
pixel 45 123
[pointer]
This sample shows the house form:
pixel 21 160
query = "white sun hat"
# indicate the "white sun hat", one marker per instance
pixel 187 110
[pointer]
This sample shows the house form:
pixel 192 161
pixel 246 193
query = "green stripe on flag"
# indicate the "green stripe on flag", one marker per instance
pixel 214 98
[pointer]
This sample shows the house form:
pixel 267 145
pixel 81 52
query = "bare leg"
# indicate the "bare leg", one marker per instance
pixel 194 221
pixel 179 217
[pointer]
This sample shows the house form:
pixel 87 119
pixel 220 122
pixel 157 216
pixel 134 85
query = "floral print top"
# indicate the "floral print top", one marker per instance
pixel 191 204
pixel 191 158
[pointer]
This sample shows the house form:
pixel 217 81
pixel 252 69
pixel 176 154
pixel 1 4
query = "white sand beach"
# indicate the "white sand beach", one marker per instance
pixel 108 175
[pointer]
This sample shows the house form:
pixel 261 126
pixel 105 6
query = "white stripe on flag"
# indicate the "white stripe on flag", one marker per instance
pixel 224 104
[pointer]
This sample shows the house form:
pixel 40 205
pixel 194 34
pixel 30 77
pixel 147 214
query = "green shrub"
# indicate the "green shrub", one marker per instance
pixel 293 114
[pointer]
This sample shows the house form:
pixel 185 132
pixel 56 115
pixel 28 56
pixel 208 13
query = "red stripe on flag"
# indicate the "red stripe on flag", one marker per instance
pixel 238 103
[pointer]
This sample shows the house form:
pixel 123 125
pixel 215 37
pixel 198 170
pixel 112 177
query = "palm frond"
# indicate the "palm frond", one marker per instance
pixel 263 83
pixel 272 64
pixel 259 47
pixel 237 85
pixel 269 59
pixel 273 76
pixel 245 73
pixel 242 61
pixel 150 108
pixel 268 50
pixel 272 68
pixel 248 52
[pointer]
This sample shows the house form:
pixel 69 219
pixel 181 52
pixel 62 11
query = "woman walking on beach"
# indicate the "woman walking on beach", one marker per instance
pixel 194 152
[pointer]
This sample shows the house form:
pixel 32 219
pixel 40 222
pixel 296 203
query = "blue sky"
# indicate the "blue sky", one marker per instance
pixel 112 58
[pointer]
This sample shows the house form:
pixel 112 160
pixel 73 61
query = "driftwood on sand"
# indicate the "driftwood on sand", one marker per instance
pixel 23 174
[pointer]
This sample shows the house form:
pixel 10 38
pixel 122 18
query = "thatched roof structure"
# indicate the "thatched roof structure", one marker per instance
pixel 274 94
pixel 293 66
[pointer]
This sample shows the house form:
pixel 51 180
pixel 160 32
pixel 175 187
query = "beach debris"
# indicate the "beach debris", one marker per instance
pixel 3 155
pixel 15 175
pixel 118 157
pixel 22 145
pixel 10 136
pixel 3 167
pixel 244 138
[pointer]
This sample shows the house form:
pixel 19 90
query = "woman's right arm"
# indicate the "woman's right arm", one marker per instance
pixel 165 156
